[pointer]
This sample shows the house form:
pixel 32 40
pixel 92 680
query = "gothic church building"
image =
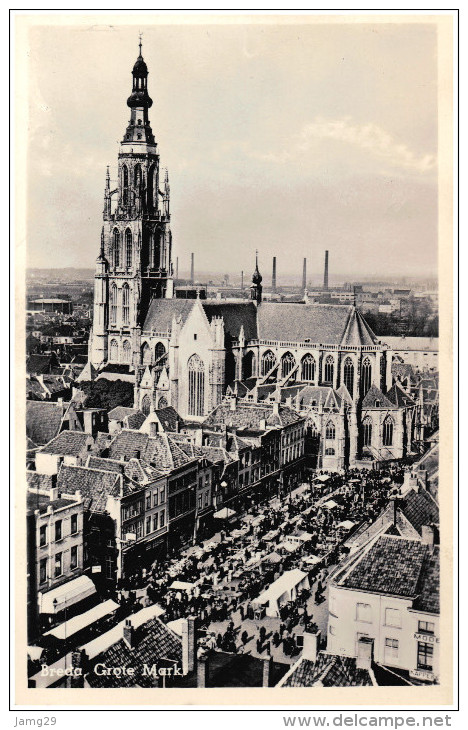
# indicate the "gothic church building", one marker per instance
pixel 188 353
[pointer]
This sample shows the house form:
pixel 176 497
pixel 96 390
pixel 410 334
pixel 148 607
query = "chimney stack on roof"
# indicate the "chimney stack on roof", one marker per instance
pixel 129 633
pixel 325 273
pixel 304 276
pixel 192 268
pixel 273 276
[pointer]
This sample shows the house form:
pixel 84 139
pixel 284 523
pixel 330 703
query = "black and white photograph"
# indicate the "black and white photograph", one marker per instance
pixel 229 358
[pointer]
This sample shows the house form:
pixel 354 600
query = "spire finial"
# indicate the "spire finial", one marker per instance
pixel 140 36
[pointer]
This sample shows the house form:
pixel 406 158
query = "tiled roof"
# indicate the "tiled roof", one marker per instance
pixel 429 583
pixel 153 641
pixel 373 395
pixel 420 509
pixel 397 395
pixel 248 416
pixel 120 412
pixel 43 421
pixel 42 502
pixel 40 364
pixel 331 324
pixel 169 418
pixel 67 443
pixel 328 671
pixel 95 485
pixel 391 565
pixel 157 450
pixel 135 420
pixel 235 316
pixel 161 312
pixel 39 481
pixel 133 469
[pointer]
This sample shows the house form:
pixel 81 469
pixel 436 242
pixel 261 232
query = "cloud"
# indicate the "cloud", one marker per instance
pixel 369 137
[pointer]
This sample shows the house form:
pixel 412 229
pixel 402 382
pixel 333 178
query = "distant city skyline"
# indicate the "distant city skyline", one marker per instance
pixel 289 139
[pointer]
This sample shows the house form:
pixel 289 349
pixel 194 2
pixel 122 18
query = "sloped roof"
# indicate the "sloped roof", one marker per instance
pixel 168 418
pixel 39 481
pixel 331 324
pixel 95 485
pixel 161 312
pixel 429 583
pixel 157 450
pixel 135 420
pixel 120 412
pixel 67 443
pixel 420 509
pixel 329 670
pixel 43 421
pixel 235 315
pixel 153 641
pixel 134 469
pixel 40 364
pixel 397 395
pixel 391 565
pixel 249 416
pixel 375 394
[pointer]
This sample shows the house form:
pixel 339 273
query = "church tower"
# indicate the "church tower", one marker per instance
pixel 136 237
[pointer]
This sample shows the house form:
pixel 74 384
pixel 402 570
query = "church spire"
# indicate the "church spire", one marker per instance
pixel 139 101
pixel 257 278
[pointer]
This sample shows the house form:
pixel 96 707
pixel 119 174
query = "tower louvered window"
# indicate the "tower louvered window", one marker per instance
pixel 126 304
pixel 125 185
pixel 113 304
pixel 116 248
pixel 196 394
pixel 128 249
pixel 348 375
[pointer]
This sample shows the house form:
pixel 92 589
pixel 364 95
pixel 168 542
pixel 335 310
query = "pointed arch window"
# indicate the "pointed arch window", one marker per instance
pixel 366 375
pixel 160 354
pixel 308 368
pixel 125 184
pixel 146 404
pixel 113 304
pixel 348 375
pixel 151 186
pixel 146 354
pixel 162 403
pixel 127 352
pixel 114 351
pixel 137 176
pixel 330 431
pixel 156 250
pixel 387 434
pixel 116 248
pixel 328 369
pixel 268 361
pixel 128 249
pixel 126 304
pixel 287 364
pixel 367 432
pixel 196 394
pixel 314 432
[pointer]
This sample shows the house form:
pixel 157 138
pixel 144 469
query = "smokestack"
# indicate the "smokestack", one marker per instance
pixel 273 276
pixel 325 273
pixel 177 268
pixel 192 269
pixel 242 281
pixel 304 276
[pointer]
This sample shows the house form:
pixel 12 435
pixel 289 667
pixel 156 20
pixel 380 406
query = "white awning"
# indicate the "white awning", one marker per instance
pixel 330 504
pixel 179 585
pixel 346 525
pixel 66 595
pixel 75 624
pixel 312 560
pixel 323 477
pixel 224 514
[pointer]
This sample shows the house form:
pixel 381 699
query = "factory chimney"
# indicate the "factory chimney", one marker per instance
pixel 325 273
pixel 192 269
pixel 242 281
pixel 177 267
pixel 304 276
pixel 273 276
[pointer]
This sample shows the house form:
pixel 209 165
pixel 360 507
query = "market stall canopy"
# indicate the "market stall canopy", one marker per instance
pixel 300 489
pixel 224 514
pixel 330 504
pixel 346 525
pixel 77 623
pixel 312 560
pixel 323 477
pixel 258 520
pixel 291 547
pixel 180 585
pixel 66 595
pixel 272 558
pixel 285 588
pixel 304 536
pixel 270 535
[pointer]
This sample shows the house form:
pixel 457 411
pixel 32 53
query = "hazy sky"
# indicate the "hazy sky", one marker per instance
pixel 289 139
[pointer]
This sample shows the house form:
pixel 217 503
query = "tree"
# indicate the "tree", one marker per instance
pixel 108 394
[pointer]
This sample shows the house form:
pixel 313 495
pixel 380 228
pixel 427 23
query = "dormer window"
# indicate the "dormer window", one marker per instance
pixel 377 404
